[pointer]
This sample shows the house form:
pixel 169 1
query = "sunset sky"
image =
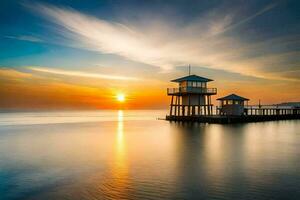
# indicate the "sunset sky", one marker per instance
pixel 62 54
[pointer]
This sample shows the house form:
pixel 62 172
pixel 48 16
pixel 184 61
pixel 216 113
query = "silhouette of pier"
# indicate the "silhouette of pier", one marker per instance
pixel 192 101
pixel 251 115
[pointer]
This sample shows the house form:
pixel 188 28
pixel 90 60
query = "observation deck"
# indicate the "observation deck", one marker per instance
pixel 191 90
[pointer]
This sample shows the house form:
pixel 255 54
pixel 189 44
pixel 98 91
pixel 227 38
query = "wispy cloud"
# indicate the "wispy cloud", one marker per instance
pixel 25 38
pixel 81 74
pixel 249 18
pixel 6 72
pixel 164 44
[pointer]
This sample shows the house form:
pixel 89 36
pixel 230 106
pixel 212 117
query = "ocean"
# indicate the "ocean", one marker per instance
pixel 90 155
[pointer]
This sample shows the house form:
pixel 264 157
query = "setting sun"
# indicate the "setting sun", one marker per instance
pixel 121 97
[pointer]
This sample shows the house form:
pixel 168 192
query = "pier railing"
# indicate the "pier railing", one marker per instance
pixel 195 90
pixel 203 110
pixel 266 111
pixel 212 114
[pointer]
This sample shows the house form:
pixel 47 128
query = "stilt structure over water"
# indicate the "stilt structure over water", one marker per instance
pixel 191 101
pixel 192 97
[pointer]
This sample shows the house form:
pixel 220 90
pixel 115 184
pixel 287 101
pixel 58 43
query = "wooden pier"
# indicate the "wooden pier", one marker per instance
pixel 251 115
pixel 193 102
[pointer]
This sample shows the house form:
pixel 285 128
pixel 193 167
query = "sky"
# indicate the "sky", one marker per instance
pixel 63 54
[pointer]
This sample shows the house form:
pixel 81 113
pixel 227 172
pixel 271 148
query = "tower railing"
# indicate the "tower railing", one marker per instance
pixel 195 90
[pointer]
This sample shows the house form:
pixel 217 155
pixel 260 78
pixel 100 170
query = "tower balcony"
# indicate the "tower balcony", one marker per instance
pixel 191 90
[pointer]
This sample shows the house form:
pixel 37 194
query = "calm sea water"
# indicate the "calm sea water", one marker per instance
pixel 132 155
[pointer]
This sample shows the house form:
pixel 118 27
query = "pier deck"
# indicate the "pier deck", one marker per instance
pixel 259 115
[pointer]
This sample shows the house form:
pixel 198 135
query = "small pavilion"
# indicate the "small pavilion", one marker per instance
pixel 232 105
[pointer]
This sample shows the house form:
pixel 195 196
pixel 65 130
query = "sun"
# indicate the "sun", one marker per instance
pixel 120 97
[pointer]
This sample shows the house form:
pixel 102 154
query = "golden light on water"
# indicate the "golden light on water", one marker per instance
pixel 120 128
pixel 120 167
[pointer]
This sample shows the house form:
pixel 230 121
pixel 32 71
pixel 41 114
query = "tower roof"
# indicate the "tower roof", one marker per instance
pixel 233 97
pixel 192 78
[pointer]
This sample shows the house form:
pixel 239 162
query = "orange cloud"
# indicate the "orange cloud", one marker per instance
pixel 27 91
pixel 13 74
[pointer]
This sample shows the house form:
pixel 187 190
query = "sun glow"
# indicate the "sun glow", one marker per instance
pixel 120 97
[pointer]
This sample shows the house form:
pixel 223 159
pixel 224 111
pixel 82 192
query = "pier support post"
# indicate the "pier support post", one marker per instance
pixel 189 106
pixel 193 110
pixel 179 103
pixel 209 105
pixel 208 111
pixel 176 105
pixel 205 105
pixel 171 108
pixel 199 107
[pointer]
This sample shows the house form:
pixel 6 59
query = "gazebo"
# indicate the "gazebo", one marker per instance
pixel 232 105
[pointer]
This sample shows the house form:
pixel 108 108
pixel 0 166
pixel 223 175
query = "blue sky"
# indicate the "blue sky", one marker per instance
pixel 31 37
pixel 234 42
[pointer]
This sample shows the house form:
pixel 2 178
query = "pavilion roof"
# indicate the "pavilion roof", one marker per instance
pixel 192 78
pixel 233 97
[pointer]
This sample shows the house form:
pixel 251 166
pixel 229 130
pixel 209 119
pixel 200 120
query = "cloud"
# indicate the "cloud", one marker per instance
pixel 13 74
pixel 25 38
pixel 249 18
pixel 81 74
pixel 163 43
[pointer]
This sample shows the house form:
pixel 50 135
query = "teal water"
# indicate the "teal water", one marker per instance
pixel 132 155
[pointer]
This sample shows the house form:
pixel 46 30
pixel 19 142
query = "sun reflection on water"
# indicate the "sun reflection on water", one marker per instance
pixel 119 168
pixel 126 157
pixel 120 133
